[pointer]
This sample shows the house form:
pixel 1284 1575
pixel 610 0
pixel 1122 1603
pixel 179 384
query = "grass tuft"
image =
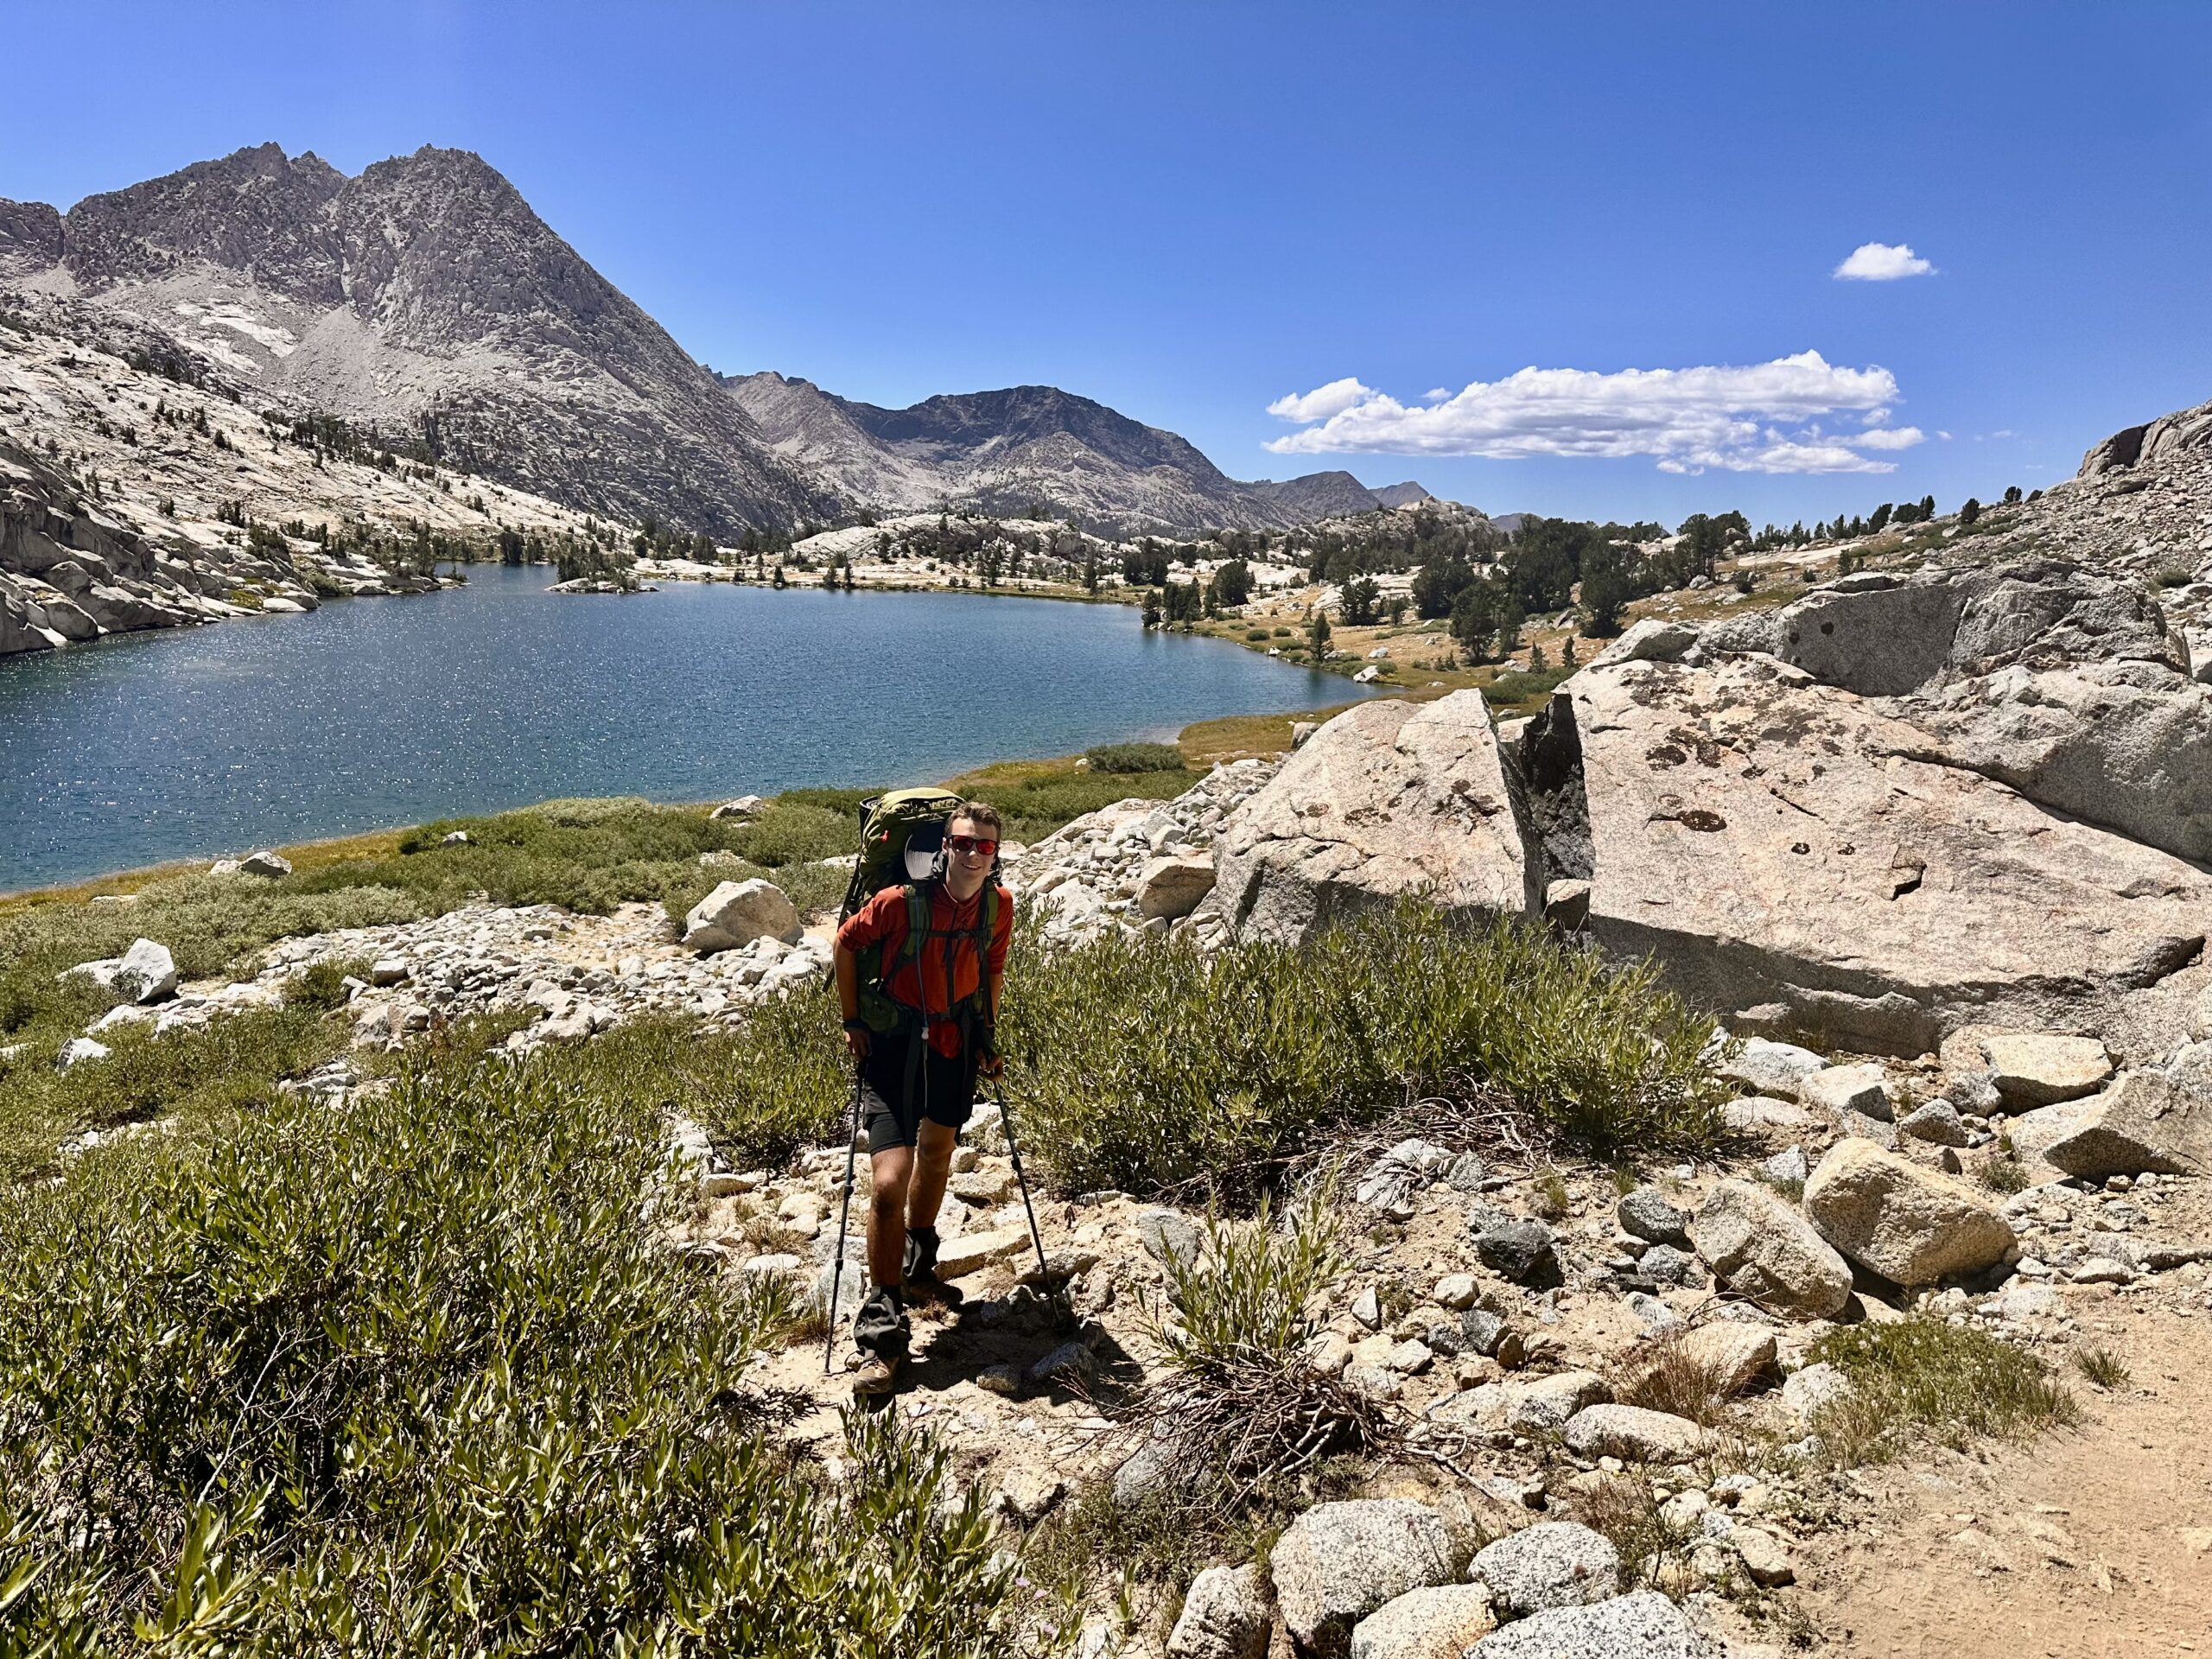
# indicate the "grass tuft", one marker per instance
pixel 2101 1367
pixel 1922 1379
pixel 1666 1376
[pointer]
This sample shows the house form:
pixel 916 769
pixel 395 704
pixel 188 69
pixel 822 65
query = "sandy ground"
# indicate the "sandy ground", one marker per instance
pixel 2094 1541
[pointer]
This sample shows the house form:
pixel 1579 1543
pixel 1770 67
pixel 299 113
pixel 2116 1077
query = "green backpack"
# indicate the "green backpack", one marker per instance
pixel 892 826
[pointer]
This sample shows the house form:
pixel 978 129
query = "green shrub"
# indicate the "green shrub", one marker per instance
pixel 779 1083
pixel 1145 1065
pixel 1257 636
pixel 419 1378
pixel 1921 1379
pixel 1135 757
pixel 790 833
pixel 233 1063
pixel 1519 686
pixel 1248 1298
pixel 322 984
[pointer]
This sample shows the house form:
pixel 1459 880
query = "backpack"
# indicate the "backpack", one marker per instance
pixel 899 831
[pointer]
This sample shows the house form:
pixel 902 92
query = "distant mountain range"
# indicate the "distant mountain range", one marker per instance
pixel 425 296
pixel 1008 451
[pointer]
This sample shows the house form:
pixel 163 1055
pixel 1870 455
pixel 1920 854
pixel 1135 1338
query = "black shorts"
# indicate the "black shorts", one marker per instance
pixel 943 1090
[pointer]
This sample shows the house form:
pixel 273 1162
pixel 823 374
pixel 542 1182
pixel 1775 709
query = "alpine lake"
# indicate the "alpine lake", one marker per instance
pixel 368 714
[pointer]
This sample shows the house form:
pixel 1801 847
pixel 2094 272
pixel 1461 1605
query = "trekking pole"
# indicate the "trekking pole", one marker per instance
pixel 844 1211
pixel 1014 1155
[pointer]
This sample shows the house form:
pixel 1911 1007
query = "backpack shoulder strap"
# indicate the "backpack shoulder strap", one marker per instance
pixel 918 921
pixel 987 930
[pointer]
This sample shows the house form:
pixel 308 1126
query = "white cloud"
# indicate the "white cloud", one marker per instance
pixel 1758 418
pixel 1887 437
pixel 1322 401
pixel 1880 262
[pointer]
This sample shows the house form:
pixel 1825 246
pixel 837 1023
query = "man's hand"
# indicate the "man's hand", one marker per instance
pixel 857 1041
pixel 991 1065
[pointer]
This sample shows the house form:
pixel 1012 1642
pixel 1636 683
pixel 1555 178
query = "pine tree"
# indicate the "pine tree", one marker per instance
pixel 1317 635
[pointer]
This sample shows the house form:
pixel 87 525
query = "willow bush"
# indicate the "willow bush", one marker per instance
pixel 1143 1065
pixel 417 1376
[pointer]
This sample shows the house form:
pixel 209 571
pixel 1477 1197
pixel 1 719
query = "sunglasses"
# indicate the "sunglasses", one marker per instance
pixel 986 845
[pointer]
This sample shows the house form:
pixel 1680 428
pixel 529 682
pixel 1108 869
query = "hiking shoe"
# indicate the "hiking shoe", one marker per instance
pixel 876 1376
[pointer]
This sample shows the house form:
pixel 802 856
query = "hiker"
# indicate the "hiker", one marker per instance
pixel 919 1016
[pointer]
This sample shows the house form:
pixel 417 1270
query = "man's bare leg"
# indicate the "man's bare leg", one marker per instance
pixel 892 1168
pixel 933 1166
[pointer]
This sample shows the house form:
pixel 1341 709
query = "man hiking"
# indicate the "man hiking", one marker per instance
pixel 919 1016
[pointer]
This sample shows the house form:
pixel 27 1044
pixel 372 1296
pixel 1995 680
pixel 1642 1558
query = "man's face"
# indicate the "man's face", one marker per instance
pixel 970 849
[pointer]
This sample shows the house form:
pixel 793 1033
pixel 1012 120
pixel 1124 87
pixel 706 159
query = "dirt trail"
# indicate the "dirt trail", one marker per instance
pixel 2091 1542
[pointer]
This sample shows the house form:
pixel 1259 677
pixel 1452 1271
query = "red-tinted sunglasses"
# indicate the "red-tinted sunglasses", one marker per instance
pixel 987 845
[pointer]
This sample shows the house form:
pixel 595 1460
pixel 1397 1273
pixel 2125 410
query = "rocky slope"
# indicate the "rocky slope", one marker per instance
pixel 1895 807
pixel 143 485
pixel 424 300
pixel 1534 1334
pixel 422 296
pixel 1004 451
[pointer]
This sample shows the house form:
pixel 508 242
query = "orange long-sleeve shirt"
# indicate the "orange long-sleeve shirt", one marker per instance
pixel 882 920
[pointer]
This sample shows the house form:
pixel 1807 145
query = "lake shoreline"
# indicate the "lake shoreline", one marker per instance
pixel 494 696
pixel 333 848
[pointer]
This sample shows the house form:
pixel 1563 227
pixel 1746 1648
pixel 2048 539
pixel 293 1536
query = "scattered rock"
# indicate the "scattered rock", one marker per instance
pixel 1645 1625
pixel 1435 1623
pixel 1647 1213
pixel 77 1051
pixel 1734 1353
pixel 1786 1170
pixel 265 863
pixel 1937 1123
pixel 1456 1291
pixel 1546 1404
pixel 1172 888
pixel 1771 1067
pixel 1227 1614
pixel 1761 1117
pixel 1842 1089
pixel 1169 1237
pixel 1071 1365
pixel 2031 1069
pixel 744 806
pixel 1634 1434
pixel 1910 1225
pixel 965 1253
pixel 1523 1251
pixel 737 912
pixel 1805 1391
pixel 1552 1564
pixel 1388 797
pixel 1025 1493
pixel 1765 1558
pixel 2102 1270
pixel 1665 1265
pixel 1338 1562
pixel 1761 1247
pixel 147 973
pixel 2144 1122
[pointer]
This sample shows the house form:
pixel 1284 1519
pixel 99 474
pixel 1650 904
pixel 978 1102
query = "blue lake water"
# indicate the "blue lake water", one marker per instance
pixel 372 712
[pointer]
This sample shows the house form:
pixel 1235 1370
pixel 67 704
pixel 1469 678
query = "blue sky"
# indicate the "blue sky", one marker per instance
pixel 1191 212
